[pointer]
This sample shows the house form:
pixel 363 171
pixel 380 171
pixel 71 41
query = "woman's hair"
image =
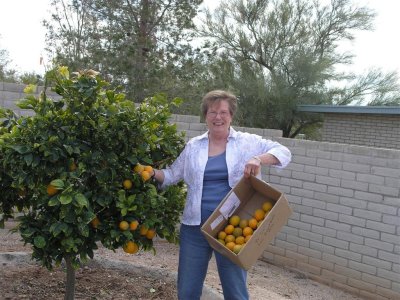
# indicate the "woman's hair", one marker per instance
pixel 216 96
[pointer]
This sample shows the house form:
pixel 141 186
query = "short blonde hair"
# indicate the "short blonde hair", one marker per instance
pixel 216 96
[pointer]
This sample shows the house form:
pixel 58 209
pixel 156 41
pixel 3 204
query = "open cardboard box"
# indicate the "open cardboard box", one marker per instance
pixel 245 197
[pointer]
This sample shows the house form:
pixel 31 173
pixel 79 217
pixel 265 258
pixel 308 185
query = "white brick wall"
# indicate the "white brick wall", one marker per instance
pixel 362 129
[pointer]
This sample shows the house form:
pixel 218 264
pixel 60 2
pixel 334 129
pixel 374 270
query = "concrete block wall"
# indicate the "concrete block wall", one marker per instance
pixel 381 131
pixel 345 229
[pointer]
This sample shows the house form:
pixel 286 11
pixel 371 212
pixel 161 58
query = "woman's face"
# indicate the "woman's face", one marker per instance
pixel 218 117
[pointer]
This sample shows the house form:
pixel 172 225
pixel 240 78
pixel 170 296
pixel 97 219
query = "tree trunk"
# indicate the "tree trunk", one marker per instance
pixel 70 285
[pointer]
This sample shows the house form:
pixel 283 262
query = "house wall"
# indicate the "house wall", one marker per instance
pixel 381 131
pixel 345 229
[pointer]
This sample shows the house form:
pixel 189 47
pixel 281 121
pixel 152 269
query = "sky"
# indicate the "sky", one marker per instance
pixel 23 36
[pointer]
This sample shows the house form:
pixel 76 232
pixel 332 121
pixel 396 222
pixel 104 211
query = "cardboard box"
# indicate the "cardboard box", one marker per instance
pixel 247 196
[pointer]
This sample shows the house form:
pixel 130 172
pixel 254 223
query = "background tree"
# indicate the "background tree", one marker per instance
pixel 292 46
pixel 74 171
pixel 141 45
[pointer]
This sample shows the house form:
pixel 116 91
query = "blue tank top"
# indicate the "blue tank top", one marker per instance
pixel 215 184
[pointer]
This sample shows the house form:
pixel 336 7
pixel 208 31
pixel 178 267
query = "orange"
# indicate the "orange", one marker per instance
pixel 259 214
pixel 127 184
pixel 243 223
pixel 131 247
pixel 240 240
pixel 237 231
pixel 138 168
pixel 151 233
pixel 247 231
pixel 221 241
pixel 229 238
pixel 148 169
pixel 253 223
pixel 246 239
pixel 267 206
pixel 234 220
pixel 143 230
pixel 145 175
pixel 123 225
pixel 51 190
pixel 95 222
pixel 133 225
pixel 230 245
pixel 229 229
pixel 236 249
pixel 222 235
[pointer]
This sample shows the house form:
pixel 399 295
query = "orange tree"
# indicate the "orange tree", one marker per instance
pixel 69 170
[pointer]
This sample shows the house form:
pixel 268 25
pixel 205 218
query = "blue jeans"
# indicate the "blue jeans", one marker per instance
pixel 194 256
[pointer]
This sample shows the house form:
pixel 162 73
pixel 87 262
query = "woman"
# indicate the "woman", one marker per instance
pixel 211 164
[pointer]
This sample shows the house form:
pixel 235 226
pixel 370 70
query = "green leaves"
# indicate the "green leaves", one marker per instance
pixel 70 164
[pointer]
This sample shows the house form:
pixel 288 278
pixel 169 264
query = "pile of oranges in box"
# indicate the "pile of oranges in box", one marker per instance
pixel 238 231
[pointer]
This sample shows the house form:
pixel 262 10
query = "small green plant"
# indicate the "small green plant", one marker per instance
pixel 64 169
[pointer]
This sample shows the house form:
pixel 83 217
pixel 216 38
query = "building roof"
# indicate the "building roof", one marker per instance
pixel 345 109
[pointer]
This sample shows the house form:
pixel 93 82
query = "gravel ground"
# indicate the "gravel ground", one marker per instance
pixel 117 275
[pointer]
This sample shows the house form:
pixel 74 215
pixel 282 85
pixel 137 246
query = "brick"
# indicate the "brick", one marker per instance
pixel 373 252
pixel 321 263
pixel 380 264
pixel 395 220
pixel 305 160
pixel 312 220
pixel 310 236
pixel 348 272
pixel 382 208
pixel 329 215
pixel 326 197
pixel 296 256
pixel 309 268
pixel 391 276
pixel 346 236
pixel 334 276
pixel 356 185
pixel 340 191
pixel 380 226
pixel 376 280
pixel 362 267
pixel 337 243
pixel 339 208
pixel 323 231
pixel 384 190
pixel 362 285
pixel 302 192
pixel 388 256
pixel 368 196
pixel 370 178
pixel 315 187
pixel 391 238
pixel 370 215
pixel 299 225
pixel 379 244
pixel 298 241
pixel 334 259
pixel 316 170
pixel 286 245
pixel 327 180
pixel 389 294
pixel 284 261
pixel 351 202
pixel 322 247
pixel 352 220
pixel 374 234
pixel 313 203
pixel 337 226
pixel 302 176
pixel 351 255
pixel 330 164
pixel 359 168
pixel 385 172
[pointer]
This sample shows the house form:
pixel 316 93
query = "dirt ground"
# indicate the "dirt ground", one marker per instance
pixel 141 276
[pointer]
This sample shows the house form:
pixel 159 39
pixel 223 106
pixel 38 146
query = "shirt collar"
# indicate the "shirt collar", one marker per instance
pixel 232 134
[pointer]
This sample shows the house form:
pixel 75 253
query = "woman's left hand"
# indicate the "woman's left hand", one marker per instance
pixel 252 167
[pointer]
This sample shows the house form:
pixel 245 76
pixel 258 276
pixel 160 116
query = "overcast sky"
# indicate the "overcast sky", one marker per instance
pixel 22 35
